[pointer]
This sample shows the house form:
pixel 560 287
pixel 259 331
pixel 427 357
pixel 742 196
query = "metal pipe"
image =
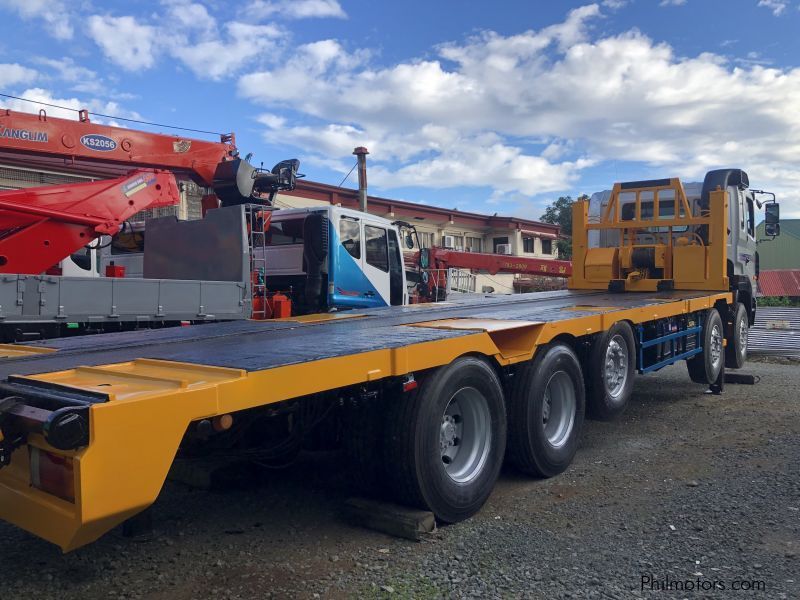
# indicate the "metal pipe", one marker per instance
pixel 361 152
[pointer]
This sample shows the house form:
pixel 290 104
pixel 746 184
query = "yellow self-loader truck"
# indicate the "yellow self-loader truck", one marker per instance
pixel 429 398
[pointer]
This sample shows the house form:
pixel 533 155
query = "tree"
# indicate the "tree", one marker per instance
pixel 560 213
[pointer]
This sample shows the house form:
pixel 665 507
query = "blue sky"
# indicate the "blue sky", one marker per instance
pixel 483 106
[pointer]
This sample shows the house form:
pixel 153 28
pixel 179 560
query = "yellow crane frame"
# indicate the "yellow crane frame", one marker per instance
pixel 686 262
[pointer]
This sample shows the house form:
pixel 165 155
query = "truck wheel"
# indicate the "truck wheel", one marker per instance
pixel 736 349
pixel 705 366
pixel 446 440
pixel 546 412
pixel 611 370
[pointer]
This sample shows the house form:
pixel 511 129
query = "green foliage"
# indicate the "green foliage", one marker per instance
pixel 560 213
pixel 778 301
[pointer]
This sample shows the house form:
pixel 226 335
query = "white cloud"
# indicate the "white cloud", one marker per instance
pixel 53 13
pixel 776 6
pixel 13 74
pixel 191 35
pixel 216 58
pixel 468 116
pixel 70 106
pixel 295 9
pixel 672 2
pixel 615 4
pixel 124 40
pixel 189 16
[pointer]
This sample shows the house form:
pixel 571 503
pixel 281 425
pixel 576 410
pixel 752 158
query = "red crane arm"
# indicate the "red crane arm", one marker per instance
pixel 442 258
pixel 41 140
pixel 40 226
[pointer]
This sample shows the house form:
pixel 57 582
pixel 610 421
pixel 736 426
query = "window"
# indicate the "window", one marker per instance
pixel 475 244
pixel 497 242
pixel 527 244
pixel 750 218
pixel 627 206
pixel 288 231
pixel 350 235
pixel 377 252
pixel 547 246
pixel 458 241
pixel 425 239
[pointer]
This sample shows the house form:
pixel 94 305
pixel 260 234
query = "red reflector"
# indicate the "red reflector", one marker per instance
pixel 52 473
pixel 410 385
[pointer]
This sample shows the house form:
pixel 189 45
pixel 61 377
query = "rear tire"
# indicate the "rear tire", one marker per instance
pixel 736 349
pixel 446 440
pixel 705 367
pixel 612 365
pixel 546 411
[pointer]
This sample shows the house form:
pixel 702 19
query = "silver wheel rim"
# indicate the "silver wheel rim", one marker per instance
pixel 743 337
pixel 558 409
pixel 716 345
pixel 616 366
pixel 465 435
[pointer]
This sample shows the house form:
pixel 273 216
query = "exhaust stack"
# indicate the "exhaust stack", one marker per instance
pixel 361 152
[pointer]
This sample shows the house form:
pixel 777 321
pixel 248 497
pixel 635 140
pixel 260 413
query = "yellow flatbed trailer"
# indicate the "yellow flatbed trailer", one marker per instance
pixel 144 389
pixel 91 425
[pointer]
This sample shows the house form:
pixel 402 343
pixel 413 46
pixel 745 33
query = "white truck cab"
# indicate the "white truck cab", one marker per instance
pixel 331 257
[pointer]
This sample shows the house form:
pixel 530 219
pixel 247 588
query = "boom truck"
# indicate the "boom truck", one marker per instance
pixel 50 283
pixel 428 399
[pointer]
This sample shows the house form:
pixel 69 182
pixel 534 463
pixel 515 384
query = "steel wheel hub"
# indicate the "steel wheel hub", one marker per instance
pixel 558 409
pixel 716 345
pixel 743 337
pixel 616 366
pixel 465 435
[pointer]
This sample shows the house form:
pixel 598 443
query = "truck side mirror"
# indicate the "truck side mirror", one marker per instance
pixel 424 258
pixel 409 241
pixel 772 217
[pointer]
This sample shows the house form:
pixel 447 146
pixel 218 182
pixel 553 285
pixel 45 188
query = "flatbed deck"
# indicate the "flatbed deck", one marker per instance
pixel 259 345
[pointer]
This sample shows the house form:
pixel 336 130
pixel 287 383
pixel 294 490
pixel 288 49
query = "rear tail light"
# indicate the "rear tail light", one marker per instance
pixel 52 473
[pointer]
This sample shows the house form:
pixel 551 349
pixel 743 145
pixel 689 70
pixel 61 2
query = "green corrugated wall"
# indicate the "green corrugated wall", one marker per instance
pixel 784 251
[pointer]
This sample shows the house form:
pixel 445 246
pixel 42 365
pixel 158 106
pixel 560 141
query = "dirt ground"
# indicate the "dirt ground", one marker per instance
pixel 687 496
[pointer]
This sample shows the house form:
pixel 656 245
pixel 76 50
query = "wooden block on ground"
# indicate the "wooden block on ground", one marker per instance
pixel 203 474
pixel 394 519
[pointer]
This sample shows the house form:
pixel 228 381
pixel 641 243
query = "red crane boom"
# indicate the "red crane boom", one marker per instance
pixel 443 258
pixel 40 226
pixel 41 141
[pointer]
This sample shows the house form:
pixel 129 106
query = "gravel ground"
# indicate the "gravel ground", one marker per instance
pixel 685 486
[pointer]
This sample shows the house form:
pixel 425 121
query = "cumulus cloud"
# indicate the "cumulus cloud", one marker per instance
pixel 14 74
pixel 192 36
pixel 526 113
pixel 218 57
pixel 52 13
pixel 295 9
pixel 70 106
pixel 124 40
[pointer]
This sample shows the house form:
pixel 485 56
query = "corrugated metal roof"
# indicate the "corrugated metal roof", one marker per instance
pixel 776 332
pixel 779 282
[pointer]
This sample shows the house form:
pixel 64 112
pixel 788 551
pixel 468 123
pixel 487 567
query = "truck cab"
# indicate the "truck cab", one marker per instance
pixel 330 258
